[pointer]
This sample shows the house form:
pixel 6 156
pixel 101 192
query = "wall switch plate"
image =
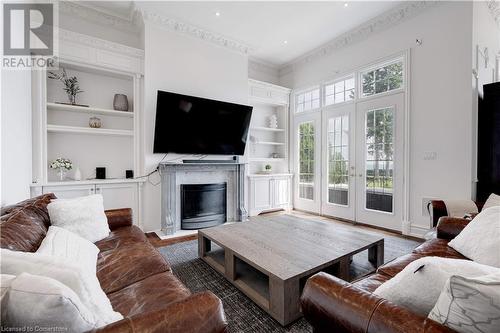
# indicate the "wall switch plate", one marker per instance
pixel 430 156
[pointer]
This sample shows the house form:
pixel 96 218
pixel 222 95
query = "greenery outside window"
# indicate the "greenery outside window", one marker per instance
pixel 382 79
pixel 306 160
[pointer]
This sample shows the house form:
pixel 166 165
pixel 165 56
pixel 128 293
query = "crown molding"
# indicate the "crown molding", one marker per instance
pixel 194 31
pixel 382 22
pixel 261 66
pixel 70 36
pixel 494 8
pixel 98 16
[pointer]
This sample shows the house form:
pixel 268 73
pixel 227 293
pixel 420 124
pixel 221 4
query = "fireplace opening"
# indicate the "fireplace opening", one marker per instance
pixel 203 205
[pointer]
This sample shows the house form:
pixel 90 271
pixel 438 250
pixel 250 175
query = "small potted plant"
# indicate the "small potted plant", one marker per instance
pixel 267 168
pixel 71 85
pixel 62 165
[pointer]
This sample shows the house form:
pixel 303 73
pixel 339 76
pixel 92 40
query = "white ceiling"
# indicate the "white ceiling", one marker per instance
pixel 264 26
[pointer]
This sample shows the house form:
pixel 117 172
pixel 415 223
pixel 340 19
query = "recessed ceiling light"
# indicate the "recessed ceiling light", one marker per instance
pixel 285 42
pixel 346 4
pixel 217 13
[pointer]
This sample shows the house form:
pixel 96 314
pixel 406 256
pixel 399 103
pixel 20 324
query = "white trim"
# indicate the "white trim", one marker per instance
pixel 193 31
pixel 406 223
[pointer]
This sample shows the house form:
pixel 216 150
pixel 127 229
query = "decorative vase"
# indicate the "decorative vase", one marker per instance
pixel 273 121
pixel 95 122
pixel 62 174
pixel 72 99
pixel 120 102
pixel 78 174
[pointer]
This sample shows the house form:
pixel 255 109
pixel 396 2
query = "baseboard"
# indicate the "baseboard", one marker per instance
pixel 418 231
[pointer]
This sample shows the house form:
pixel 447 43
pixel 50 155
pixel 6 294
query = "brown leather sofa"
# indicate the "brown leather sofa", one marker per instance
pixel 133 274
pixel 333 305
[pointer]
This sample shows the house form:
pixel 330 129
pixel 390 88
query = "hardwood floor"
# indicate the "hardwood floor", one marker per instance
pixel 157 242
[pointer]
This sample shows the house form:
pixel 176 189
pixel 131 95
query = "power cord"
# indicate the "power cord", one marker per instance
pixel 157 169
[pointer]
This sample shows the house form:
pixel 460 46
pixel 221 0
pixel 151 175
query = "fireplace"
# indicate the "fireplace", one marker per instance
pixel 203 205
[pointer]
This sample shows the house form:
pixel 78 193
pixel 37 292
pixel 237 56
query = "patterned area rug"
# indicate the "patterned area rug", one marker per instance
pixel 242 314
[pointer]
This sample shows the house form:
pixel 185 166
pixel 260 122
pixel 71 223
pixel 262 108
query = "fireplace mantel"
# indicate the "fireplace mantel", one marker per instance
pixel 175 174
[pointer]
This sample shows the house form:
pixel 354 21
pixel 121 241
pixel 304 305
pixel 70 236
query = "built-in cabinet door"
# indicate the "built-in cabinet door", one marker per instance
pixel 69 192
pixel 120 196
pixel 261 194
pixel 281 192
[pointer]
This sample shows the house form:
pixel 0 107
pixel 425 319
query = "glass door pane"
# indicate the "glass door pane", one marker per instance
pixel 306 160
pixel 338 160
pixel 379 162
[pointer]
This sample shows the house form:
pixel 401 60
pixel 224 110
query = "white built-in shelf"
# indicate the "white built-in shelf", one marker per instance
pixel 88 130
pixel 269 143
pixel 258 128
pixel 89 110
pixel 265 159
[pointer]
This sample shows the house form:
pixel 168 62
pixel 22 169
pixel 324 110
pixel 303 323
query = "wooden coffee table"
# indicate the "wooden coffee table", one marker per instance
pixel 270 260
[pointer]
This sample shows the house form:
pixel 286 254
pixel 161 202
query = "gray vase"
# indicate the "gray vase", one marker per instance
pixel 120 102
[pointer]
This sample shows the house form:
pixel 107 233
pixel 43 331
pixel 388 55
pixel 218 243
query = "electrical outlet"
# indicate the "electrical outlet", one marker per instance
pixel 425 202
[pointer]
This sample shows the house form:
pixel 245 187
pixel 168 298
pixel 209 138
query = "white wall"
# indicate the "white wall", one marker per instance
pixel 440 95
pixel 180 63
pixel 16 136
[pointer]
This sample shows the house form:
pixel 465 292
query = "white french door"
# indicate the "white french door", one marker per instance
pixel 338 162
pixel 379 161
pixel 307 162
pixel 349 161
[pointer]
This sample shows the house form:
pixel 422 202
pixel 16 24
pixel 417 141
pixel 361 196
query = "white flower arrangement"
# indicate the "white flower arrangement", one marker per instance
pixel 61 163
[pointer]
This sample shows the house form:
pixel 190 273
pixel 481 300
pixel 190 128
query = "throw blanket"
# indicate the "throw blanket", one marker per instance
pixel 459 208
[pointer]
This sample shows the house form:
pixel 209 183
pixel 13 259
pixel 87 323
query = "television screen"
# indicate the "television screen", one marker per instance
pixel 194 125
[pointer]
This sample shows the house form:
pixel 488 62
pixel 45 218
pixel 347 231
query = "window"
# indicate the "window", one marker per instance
pixel 306 160
pixel 379 159
pixel 338 160
pixel 340 91
pixel 382 79
pixel 306 101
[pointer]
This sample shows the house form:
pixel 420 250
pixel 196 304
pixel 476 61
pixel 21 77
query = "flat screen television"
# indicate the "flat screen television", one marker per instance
pixel 194 125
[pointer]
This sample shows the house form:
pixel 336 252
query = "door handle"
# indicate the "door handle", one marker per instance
pixel 360 175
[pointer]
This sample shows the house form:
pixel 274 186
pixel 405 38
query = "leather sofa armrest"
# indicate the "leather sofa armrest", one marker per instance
pixel 437 209
pixel 334 305
pixel 449 227
pixel 121 217
pixel 199 313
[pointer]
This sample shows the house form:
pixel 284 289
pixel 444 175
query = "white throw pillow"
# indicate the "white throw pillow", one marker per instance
pixel 470 305
pixel 492 201
pixel 84 216
pixel 480 239
pixel 418 285
pixel 40 302
pixel 66 244
pixel 69 273
pixel 5 281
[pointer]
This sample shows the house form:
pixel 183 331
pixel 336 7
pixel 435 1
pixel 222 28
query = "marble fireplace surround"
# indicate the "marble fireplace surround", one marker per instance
pixel 173 175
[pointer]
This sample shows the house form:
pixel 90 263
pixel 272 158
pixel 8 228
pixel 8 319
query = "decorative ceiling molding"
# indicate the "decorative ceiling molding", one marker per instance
pixel 260 66
pixel 70 36
pixel 194 31
pixel 98 16
pixel 494 7
pixel 382 22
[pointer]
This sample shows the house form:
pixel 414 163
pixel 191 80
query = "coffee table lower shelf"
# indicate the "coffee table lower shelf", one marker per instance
pixel 280 298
